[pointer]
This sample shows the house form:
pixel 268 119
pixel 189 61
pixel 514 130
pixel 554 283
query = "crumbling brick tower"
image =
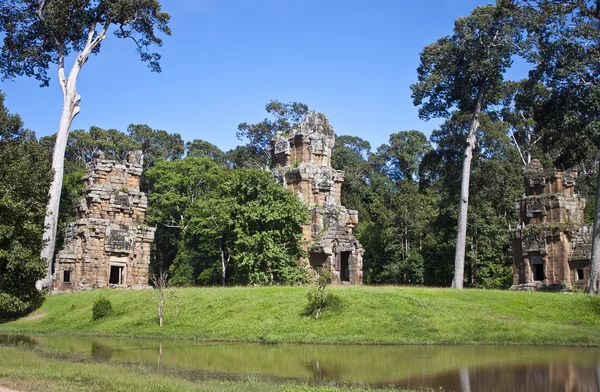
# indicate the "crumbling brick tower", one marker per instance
pixel 109 243
pixel 302 162
pixel 552 246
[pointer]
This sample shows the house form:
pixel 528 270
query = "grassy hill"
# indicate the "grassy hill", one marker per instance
pixel 364 315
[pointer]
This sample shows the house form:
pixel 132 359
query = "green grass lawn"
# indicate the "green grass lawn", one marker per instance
pixel 366 315
pixel 25 370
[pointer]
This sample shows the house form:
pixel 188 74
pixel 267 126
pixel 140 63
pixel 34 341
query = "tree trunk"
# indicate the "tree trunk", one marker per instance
pixel 161 308
pixel 224 264
pixel 461 237
pixel 594 283
pixel 70 110
pixel 68 86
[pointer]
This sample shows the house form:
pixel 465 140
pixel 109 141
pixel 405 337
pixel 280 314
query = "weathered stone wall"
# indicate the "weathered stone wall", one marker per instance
pixel 551 247
pixel 302 162
pixel 109 244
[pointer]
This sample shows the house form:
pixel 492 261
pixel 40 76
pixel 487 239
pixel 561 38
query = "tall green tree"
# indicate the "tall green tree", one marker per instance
pixel 401 158
pixel 25 176
pixel 156 144
pixel 176 186
pixel 286 116
pixel 351 154
pixel 39 34
pixel 565 37
pixel 464 71
pixel 202 149
pixel 232 225
pixel 252 226
pixel 496 183
pixel 400 211
pixel 83 145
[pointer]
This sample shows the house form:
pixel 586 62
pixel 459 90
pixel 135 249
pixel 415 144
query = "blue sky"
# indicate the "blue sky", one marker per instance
pixel 353 60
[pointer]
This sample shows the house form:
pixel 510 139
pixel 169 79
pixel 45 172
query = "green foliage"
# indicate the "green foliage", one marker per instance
pixel 36 34
pixel 241 221
pixel 245 157
pixel 177 185
pixel 394 212
pixel 202 149
pixel 401 159
pixel 351 153
pixel 496 183
pixel 565 49
pixel 316 298
pixel 82 146
pixel 25 177
pixel 156 144
pixel 102 308
pixel 253 222
pixel 259 135
pixel 474 58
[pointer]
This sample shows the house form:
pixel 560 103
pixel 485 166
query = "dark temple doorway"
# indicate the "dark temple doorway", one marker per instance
pixel 345 267
pixel 116 275
pixel 538 272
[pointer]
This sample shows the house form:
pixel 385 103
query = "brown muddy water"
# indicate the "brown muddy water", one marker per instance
pixel 452 368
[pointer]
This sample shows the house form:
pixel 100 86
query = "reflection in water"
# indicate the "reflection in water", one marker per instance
pixel 160 354
pixel 465 385
pixel 101 352
pixel 454 368
pixel 323 373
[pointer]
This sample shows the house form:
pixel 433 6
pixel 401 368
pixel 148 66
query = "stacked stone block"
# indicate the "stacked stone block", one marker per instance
pixel 109 244
pixel 302 162
pixel 552 245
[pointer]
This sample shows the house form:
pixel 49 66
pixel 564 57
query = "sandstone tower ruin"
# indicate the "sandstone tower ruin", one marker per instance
pixel 302 162
pixel 108 245
pixel 552 246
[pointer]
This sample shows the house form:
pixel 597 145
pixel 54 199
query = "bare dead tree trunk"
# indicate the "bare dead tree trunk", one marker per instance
pixel 71 99
pixel 594 283
pixel 461 237
pixel 160 283
pixel 70 110
pixel 224 264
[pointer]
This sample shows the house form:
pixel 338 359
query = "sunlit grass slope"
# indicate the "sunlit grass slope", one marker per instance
pixel 366 315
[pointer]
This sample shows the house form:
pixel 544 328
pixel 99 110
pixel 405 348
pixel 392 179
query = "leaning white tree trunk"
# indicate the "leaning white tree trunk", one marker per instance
pixel 70 110
pixel 461 236
pixel 594 283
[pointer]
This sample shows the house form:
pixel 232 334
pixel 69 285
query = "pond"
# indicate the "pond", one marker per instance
pixel 453 368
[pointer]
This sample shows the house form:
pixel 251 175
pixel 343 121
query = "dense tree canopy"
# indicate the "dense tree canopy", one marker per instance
pixel 41 34
pixel 220 221
pixel 286 116
pixel 238 226
pixel 465 71
pixel 25 177
pixel 565 50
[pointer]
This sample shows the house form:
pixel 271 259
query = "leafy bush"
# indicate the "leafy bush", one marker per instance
pixel 317 299
pixel 102 308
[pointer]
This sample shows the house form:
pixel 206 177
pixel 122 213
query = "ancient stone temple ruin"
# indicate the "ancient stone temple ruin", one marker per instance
pixel 108 245
pixel 302 162
pixel 552 246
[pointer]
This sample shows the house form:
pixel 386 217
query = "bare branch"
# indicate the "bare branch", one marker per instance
pixel 512 134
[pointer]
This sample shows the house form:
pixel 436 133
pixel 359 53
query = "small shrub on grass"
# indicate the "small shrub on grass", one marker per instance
pixel 102 308
pixel 317 298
